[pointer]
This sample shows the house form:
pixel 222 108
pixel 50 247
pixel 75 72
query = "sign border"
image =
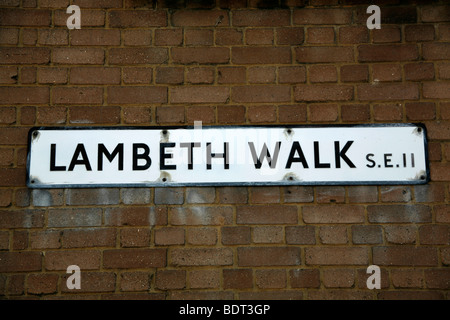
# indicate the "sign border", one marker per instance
pixel 32 185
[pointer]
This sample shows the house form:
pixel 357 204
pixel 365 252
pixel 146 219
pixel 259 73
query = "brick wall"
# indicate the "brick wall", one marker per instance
pixel 135 62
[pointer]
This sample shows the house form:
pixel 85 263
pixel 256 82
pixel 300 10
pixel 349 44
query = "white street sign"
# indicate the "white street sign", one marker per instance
pixel 245 155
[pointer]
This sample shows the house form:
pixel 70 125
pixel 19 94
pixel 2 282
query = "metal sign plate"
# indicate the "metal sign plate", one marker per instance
pixel 246 155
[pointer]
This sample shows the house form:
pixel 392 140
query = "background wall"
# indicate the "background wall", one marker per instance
pixel 136 62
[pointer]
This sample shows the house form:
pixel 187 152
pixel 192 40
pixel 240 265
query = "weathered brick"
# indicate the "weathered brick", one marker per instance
pixel 304 278
pixel 138 56
pixel 367 234
pixel 204 279
pixel 336 256
pixel 236 235
pixel 169 236
pixel 202 236
pixel 200 18
pixel 201 215
pixel 201 257
pixel 70 217
pixel 323 93
pixel 134 258
pixel 60 260
pixel 135 281
pixel 24 95
pixel 270 214
pixel 254 94
pixel 42 283
pixel 268 256
pixel 405 256
pixel 271 279
pixel 199 94
pixel 338 278
pixel 434 234
pixel 398 213
pixel 384 53
pixel 85 56
pixel 25 18
pixel 206 55
pixel 324 54
pixel 89 237
pixel 322 16
pixel 136 216
pixel 388 92
pixel 137 18
pixel 237 278
pixel 20 261
pixel 300 235
pixel 333 214
pixel 136 95
pixel 436 90
pixel 261 55
pixel 336 234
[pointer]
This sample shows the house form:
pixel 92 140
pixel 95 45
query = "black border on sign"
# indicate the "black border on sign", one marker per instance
pixel 225 184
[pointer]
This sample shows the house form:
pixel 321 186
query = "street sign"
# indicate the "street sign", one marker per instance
pixel 72 157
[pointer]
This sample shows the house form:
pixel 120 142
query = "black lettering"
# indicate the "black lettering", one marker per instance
pixel 163 156
pixel 387 160
pixel 265 154
pixel 210 155
pixel 338 154
pixel 54 167
pixel 317 163
pixel 369 158
pixel 141 156
pixel 80 150
pixel 412 160
pixel 102 151
pixel 190 147
pixel 296 148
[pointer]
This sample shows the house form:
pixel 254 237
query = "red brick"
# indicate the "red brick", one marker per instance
pixel 201 215
pixel 207 55
pixel 259 114
pixel 60 260
pixel 169 236
pixel 323 93
pixel 135 281
pixel 395 194
pixel 80 95
pixel 435 13
pixel 95 37
pixel 300 235
pixel 267 234
pixel 21 56
pixel 52 75
pixel 13 136
pixel 237 278
pixel 136 95
pixel 25 18
pixel 336 256
pixel 201 257
pixel 78 56
pixel 261 18
pixel 259 36
pixel 401 234
pixel 8 75
pixel 94 75
pixel 387 112
pixel 304 278
pixel 48 239
pixel 9 36
pixel 100 114
pixel 320 35
pixel 136 115
pixel 419 71
pixel 206 114
pixel 398 213
pixel 410 295
pixel 354 73
pixel 169 75
pixel 135 237
pixel 434 234
pixel 322 16
pixel 367 234
pixel 268 256
pixel 271 279
pixel 338 278
pixel 444 32
pixel 355 112
pixel 436 51
pixel 137 75
pixel 265 215
pixel 436 90
pixel 136 216
pixel 405 256
pixel 444 71
pixel 199 94
pixel 333 214
pixel 324 54
pixel 261 94
pixel 5 196
pixel 7 116
pixel 200 75
pixel 199 37
pixel 236 235
pixel 438 130
pixel 415 33
pixel 322 73
pixel 261 55
pixel 233 194
pixel 228 36
pixel 336 234
pixel 204 279
pixel 429 193
pixel 290 36
pixel 386 92
pixel 382 53
pixel 386 35
pixel 42 283
pixel 420 111
pixel 230 75
pixel 170 279
pixel 200 18
pixel 353 34
pixel 437 278
pixel 323 112
pixel 362 194
pixel 52 37
pixel 12 177
pixel 137 18
pixel 168 37
pixel 92 282
pixel 202 236
pixel 90 18
pixel 98 3
pixel 96 237
pixel 144 56
pixel 134 258
pixel 386 72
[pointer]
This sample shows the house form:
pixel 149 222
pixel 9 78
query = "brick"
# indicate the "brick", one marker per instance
pixel 353 34
pixel 200 75
pixel 170 114
pixel 410 295
pixel 271 295
pixel 362 194
pixel 304 278
pixel 200 18
pixel 268 234
pixel 201 257
pixel 86 238
pixel 94 75
pixel 292 74
pixel 386 92
pixel 135 237
pixel 363 276
pixel 401 234
pixel 419 71
pixel 395 194
pixel 323 93
pixel 387 112
pixel 228 36
pixel 437 279
pixel 168 37
pixel 12 177
pixel 85 56
pixel 298 194
pixel 136 195
pixel 30 37
pixel 333 214
pixel 420 111
pixel 444 32
pixel 137 18
pixel 385 53
pixel 169 236
pixel 322 73
pixel 7 116
pixel 333 234
pixel 207 55
pixel 415 33
pixel 90 18
pixel 398 213
pixel 16 284
pixel 199 94
pixel 256 94
pixel 136 216
pixel 261 55
pixel 236 235
pixel 434 234
pixel 95 37
pixel 438 130
pixel 201 215
pixel 320 35
pixel 199 37
pixel 355 112
pixel 261 74
pixel 136 95
pixel 69 217
pixel 42 283
pixel 261 18
pixel 52 75
pixel 386 35
pixel 323 54
pixel 405 256
pixel 229 75
pixel 237 278
pixel 170 279
pixel 354 73
pixel 367 234
pixel 444 71
pixel 200 195
pixel 300 235
pixel 47 239
pixel 25 18
pixel 268 256
pixel 323 112
pixel 48 198
pixel 169 196
pixel 435 13
pixel 138 56
pixel 100 114
pixel 135 281
pixel 206 114
pixel 436 90
pixel 101 196
pixel 204 279
pixel 322 16
pixel 336 256
pixel 52 37
pixel 260 36
pixel 27 218
pixel 338 278
pixel 266 214
pixel 9 36
pixel 290 36
pixel 386 72
pixel 137 37
pixel 24 95
pixel 233 194
pixel 134 258
pixel 13 136
pixel 92 282
pixel 56 260
pixel 5 196
pixel 265 194
pixel 429 193
pixel 98 3
pixel 202 236
pixel 8 75
pixel 137 75
pixel 391 15
pixel 270 279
